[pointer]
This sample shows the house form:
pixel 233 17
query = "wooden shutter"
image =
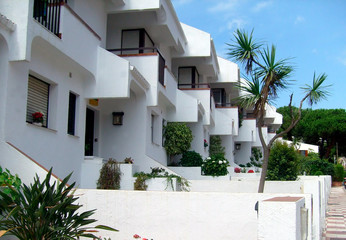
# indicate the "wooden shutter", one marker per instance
pixel 38 96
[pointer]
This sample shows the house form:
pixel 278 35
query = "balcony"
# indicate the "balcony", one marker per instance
pixel 193 86
pixel 47 13
pixel 226 121
pixel 129 53
pixel 247 132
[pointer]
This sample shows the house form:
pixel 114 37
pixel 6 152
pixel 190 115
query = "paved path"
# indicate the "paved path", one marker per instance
pixel 336 215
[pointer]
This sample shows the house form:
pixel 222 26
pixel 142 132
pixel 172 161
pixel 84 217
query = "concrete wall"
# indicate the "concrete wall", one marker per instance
pixel 169 215
pixel 3 83
pixel 52 146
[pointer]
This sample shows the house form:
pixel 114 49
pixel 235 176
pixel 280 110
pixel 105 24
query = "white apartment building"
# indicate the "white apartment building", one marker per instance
pixel 108 75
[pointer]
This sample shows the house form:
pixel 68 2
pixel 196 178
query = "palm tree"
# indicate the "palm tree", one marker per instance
pixel 267 77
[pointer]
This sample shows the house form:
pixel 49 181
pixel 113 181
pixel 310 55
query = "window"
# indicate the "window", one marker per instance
pixel 137 40
pixel 38 99
pixel 71 114
pixel 219 95
pixel 188 77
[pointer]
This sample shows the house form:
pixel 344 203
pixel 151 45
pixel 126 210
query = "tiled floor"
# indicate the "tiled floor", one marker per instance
pixel 336 215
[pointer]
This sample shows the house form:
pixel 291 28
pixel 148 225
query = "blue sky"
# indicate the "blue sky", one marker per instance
pixel 312 32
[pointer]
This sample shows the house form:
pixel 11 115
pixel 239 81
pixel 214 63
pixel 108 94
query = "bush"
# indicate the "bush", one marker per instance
pixel 312 164
pixel 216 146
pixel 283 161
pixel 45 211
pixel 250 171
pixel 8 182
pixel 339 173
pixel 178 138
pixel 237 170
pixel 216 165
pixel 110 175
pixel 318 173
pixel 191 159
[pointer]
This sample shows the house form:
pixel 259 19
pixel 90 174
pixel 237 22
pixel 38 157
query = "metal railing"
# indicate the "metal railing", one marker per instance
pixel 47 13
pixel 193 85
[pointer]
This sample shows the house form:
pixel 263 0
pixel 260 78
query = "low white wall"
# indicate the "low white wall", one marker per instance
pixel 282 218
pixel 194 173
pixel 91 172
pixel 245 186
pixel 175 215
pixel 19 164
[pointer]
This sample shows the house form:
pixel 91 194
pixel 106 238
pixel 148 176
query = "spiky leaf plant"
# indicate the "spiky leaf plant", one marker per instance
pixel 45 211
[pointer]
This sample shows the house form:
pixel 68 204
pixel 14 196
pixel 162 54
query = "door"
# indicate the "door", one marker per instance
pixel 89 132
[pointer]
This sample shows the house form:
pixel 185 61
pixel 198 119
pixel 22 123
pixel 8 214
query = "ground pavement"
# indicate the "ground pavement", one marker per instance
pixel 336 215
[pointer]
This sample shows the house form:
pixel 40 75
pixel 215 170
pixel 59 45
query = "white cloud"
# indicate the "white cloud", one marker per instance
pixel 299 19
pixel 261 5
pixel 342 60
pixel 236 23
pixel 224 6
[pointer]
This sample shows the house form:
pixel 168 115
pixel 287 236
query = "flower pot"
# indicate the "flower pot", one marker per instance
pixel 38 124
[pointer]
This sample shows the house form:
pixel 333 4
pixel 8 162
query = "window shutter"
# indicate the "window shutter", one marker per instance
pixel 38 95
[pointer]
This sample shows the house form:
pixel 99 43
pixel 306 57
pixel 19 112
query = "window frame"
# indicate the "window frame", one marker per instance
pixel 46 113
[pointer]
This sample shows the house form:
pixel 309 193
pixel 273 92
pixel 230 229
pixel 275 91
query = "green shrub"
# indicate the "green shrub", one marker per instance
pixel 283 161
pixel 216 165
pixel 318 173
pixel 191 159
pixel 216 146
pixel 178 138
pixel 45 211
pixel 8 182
pixel 339 173
pixel 256 157
pixel 141 177
pixel 313 163
pixel 110 175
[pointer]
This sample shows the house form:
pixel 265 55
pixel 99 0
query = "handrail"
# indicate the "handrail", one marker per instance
pixel 193 85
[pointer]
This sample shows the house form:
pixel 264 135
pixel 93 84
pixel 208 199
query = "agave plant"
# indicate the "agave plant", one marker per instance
pixel 45 211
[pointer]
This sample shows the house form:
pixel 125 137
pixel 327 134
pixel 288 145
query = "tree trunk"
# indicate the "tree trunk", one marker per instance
pixel 266 152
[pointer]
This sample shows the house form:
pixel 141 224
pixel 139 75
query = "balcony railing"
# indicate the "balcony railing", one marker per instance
pixel 193 86
pixel 142 51
pixel 225 105
pixel 47 13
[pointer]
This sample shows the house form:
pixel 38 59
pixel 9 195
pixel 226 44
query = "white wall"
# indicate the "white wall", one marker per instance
pixel 127 140
pixel 228 143
pixel 94 14
pixel 18 12
pixel 243 155
pixel 52 146
pixel 3 83
pixel 171 215
pixel 197 143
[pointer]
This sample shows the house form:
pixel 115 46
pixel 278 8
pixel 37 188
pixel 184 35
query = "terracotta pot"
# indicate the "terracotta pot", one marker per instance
pixel 336 184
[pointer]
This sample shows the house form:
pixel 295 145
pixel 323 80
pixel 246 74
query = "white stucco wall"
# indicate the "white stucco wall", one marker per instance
pixel 170 215
pixel 52 146
pixel 3 83
pixel 242 156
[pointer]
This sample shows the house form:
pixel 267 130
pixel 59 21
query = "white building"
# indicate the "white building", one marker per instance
pixel 107 75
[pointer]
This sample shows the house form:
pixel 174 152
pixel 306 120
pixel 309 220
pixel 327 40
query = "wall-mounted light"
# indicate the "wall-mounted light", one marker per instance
pixel 237 146
pixel 118 118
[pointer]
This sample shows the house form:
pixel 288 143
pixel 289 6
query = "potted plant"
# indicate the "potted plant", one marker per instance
pixel 37 118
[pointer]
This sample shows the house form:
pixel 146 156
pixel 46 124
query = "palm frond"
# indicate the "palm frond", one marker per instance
pixel 244 49
pixel 317 92
pixel 251 91
pixel 276 73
